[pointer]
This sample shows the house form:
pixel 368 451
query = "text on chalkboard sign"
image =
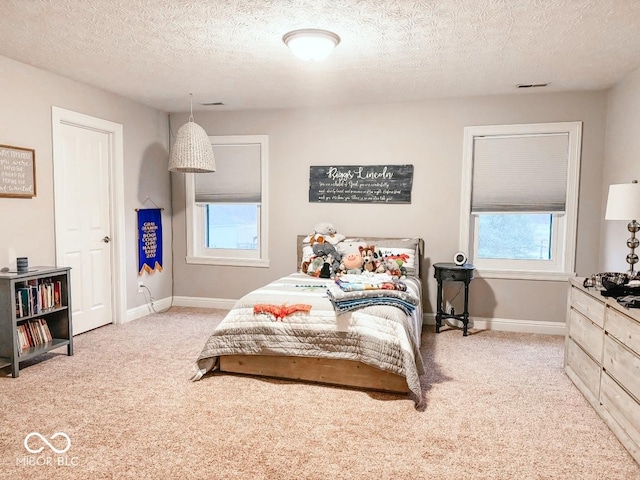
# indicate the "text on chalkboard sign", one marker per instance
pixel 361 183
pixel 17 172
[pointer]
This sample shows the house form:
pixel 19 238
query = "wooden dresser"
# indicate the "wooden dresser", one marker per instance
pixel 602 358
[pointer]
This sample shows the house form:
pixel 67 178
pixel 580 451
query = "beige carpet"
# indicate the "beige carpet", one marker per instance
pixel 498 407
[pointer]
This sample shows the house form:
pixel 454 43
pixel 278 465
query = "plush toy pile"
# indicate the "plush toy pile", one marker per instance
pixel 323 232
pixel 326 254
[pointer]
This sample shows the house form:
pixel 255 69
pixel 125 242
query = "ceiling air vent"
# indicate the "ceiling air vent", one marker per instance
pixel 531 85
pixel 212 104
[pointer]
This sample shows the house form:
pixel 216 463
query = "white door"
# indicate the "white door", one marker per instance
pixel 83 156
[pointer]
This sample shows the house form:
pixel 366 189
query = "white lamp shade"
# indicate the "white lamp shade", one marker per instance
pixel 311 44
pixel 623 202
pixel 192 151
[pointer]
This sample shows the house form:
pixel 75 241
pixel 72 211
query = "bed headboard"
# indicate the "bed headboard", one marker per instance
pixel 387 241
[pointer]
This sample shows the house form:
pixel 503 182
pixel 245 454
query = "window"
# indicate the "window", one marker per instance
pixel 232 226
pixel 227 209
pixel 522 236
pixel 519 199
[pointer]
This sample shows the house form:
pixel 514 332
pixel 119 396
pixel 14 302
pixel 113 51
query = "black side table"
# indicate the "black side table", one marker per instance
pixel 453 273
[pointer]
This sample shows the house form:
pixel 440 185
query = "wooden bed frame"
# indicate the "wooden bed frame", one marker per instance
pixel 318 370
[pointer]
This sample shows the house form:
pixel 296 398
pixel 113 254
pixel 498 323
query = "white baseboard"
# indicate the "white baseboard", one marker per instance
pixel 204 302
pixel 144 310
pixel 479 323
pixel 509 325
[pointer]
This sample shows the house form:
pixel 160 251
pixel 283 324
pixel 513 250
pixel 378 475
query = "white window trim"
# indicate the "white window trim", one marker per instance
pixel 195 215
pixel 567 264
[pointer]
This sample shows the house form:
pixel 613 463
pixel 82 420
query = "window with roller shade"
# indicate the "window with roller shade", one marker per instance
pixel 519 199
pixel 227 208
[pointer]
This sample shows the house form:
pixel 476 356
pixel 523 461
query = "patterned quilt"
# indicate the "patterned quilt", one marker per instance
pixel 294 316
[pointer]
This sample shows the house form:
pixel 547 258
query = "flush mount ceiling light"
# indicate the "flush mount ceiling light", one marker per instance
pixel 311 44
pixel 192 151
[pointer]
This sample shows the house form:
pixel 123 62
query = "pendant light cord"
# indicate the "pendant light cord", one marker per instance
pixel 191 104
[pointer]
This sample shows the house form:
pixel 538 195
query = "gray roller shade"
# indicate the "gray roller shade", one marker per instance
pixel 236 179
pixel 520 173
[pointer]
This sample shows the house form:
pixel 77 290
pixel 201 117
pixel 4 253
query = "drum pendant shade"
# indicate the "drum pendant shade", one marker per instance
pixel 192 151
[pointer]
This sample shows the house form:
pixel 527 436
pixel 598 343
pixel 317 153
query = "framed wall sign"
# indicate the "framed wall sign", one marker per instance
pixel 361 184
pixel 17 172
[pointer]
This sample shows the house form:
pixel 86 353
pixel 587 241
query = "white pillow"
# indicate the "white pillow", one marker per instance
pixel 347 246
pixel 407 256
pixel 399 246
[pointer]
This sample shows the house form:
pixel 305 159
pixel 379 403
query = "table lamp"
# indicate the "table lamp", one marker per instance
pixel 623 203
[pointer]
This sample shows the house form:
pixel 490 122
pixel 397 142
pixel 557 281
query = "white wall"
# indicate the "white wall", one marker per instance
pixel 26 97
pixel 622 165
pixel 426 134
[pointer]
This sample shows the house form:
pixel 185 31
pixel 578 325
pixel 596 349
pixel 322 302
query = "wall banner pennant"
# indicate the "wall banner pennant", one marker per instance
pixel 149 240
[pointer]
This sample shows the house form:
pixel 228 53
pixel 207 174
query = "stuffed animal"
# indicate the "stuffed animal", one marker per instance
pixel 327 270
pixel 351 262
pixel 400 259
pixel 329 255
pixel 369 258
pixel 315 267
pixel 323 232
pixel 307 256
pixel 393 267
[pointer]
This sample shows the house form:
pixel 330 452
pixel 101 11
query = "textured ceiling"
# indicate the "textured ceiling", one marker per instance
pixel 158 51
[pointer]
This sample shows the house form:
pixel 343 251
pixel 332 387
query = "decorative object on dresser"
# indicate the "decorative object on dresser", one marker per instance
pixel 35 314
pixel 623 203
pixel 602 358
pixel 454 273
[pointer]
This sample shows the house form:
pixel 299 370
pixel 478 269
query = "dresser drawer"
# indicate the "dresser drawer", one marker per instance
pixel 586 334
pixel 625 329
pixel 584 367
pixel 623 365
pixel 589 306
pixel 621 406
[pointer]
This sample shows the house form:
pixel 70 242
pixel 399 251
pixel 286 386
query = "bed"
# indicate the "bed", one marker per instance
pixel 306 328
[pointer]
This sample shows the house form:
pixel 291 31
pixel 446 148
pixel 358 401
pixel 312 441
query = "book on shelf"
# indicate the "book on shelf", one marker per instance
pixel 37 296
pixel 47 332
pixel 28 339
pixel 19 310
pixel 57 294
pixel 33 333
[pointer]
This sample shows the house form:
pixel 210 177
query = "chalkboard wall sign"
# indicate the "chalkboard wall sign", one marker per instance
pixel 17 172
pixel 361 184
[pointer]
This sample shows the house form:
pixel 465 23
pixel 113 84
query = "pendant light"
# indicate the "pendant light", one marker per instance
pixel 192 151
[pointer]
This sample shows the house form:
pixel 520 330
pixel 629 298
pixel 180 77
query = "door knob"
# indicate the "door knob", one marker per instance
pixel 106 239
